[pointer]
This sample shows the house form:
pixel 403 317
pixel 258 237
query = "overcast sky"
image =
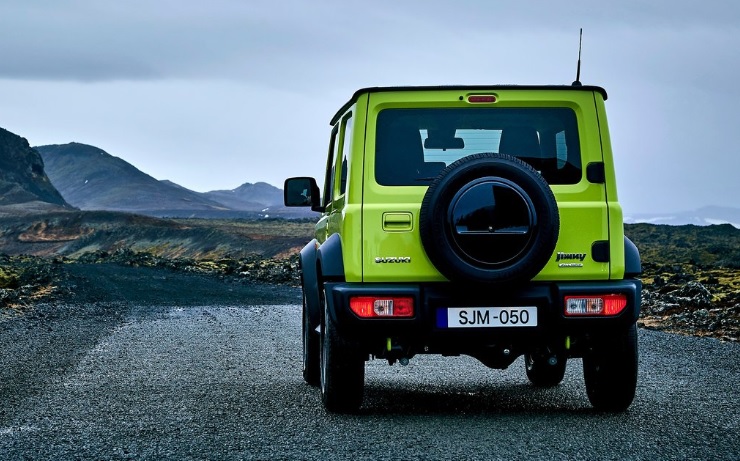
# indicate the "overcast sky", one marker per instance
pixel 213 94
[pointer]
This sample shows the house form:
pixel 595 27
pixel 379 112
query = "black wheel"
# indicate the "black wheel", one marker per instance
pixel 311 350
pixel 542 372
pixel 610 371
pixel 342 369
pixel 489 218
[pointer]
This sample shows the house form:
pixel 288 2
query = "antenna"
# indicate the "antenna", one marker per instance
pixel 578 70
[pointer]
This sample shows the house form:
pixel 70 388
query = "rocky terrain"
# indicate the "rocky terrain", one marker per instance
pixel 691 289
pixel 74 233
pixel 692 300
pixel 691 277
pixel 22 176
pixel 247 251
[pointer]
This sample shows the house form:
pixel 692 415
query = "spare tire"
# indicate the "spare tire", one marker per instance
pixel 489 218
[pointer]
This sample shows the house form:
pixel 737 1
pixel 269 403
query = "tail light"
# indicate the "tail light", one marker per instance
pixel 382 306
pixel 595 305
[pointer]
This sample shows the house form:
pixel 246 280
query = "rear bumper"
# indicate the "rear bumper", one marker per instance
pixel 424 333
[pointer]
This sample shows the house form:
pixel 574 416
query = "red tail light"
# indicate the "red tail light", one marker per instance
pixel 595 305
pixel 382 306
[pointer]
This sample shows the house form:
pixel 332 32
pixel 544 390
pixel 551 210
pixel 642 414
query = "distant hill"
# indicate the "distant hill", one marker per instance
pixel 92 179
pixel 248 197
pixel 22 176
pixel 701 217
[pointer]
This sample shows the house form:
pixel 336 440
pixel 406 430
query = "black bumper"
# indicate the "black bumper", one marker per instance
pixel 429 335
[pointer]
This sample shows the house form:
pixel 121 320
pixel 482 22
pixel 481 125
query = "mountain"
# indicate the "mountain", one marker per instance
pixel 22 177
pixel 92 179
pixel 701 217
pixel 249 197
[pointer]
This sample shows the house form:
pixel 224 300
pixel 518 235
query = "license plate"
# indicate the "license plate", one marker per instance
pixel 486 317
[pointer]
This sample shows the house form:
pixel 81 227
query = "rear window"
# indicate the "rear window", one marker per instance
pixel 414 145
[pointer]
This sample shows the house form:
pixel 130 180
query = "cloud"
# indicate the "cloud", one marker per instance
pixel 260 41
pixel 165 83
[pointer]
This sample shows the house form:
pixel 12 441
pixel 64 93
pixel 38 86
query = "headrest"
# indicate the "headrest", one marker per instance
pixel 520 141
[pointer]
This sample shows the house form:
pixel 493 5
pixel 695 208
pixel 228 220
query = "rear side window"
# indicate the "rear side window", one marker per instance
pixel 346 149
pixel 414 145
pixel 331 166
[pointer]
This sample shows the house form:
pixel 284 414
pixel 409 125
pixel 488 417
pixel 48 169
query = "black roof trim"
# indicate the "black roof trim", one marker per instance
pixel 380 89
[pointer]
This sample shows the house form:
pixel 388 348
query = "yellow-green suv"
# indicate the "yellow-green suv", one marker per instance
pixel 478 220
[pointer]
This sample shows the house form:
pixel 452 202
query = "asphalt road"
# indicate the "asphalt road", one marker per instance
pixel 148 364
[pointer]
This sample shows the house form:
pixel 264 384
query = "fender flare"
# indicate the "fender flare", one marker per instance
pixel 308 258
pixel 331 266
pixel 632 263
pixel 319 263
pixel 330 258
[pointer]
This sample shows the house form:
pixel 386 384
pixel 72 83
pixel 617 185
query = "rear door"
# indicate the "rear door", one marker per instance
pixel 411 136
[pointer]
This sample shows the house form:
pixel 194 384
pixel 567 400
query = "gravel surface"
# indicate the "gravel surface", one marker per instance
pixel 152 364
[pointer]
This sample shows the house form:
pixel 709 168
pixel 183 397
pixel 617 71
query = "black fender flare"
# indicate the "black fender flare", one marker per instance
pixel 308 258
pixel 331 265
pixel 632 263
pixel 330 258
pixel 319 263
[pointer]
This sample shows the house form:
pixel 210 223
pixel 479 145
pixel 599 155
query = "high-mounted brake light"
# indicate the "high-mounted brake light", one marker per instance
pixel 481 98
pixel 382 306
pixel 595 305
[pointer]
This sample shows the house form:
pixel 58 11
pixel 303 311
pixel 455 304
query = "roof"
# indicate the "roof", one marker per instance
pixel 381 89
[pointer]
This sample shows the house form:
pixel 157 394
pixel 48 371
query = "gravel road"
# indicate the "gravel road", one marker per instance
pixel 150 364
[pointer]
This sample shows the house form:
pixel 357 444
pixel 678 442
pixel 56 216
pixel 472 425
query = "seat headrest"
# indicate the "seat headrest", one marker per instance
pixel 399 155
pixel 520 141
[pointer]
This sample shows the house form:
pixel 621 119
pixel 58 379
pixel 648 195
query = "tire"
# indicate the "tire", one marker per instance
pixel 610 372
pixel 311 350
pixel 541 373
pixel 489 218
pixel 342 368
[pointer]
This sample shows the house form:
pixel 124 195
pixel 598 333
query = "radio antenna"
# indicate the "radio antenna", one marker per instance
pixel 578 69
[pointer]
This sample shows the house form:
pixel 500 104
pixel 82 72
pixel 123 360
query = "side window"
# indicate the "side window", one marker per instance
pixel 346 149
pixel 330 164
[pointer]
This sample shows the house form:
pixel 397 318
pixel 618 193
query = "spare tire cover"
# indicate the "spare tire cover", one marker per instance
pixel 489 218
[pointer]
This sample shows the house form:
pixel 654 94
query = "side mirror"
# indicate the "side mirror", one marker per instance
pixel 302 191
